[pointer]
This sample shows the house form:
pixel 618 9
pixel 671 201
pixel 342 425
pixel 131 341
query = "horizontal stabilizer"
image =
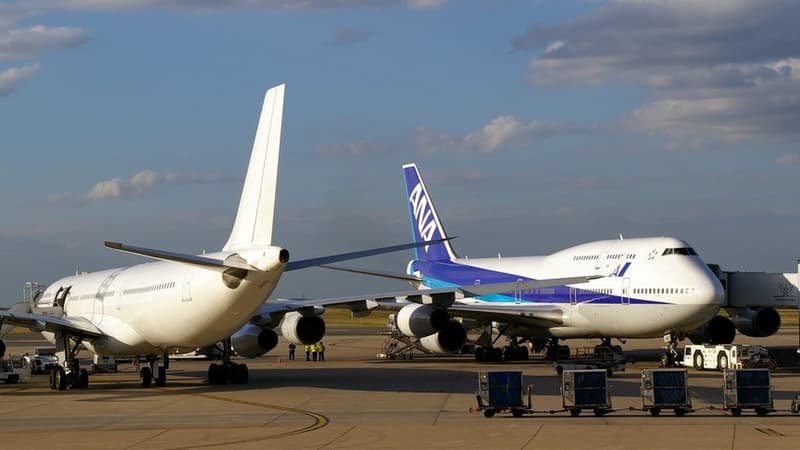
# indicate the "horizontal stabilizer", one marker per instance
pixel 195 260
pixel 312 262
pixel 375 273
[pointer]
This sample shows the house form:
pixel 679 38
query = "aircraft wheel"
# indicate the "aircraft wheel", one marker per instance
pixel 762 411
pixel 655 412
pixel 574 412
pixel 161 379
pixel 680 412
pixel 698 360
pixel 146 375
pixel 517 412
pixel 60 378
pixel 722 361
pixel 736 412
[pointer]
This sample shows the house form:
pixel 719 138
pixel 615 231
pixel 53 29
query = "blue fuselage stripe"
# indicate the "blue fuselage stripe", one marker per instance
pixel 438 274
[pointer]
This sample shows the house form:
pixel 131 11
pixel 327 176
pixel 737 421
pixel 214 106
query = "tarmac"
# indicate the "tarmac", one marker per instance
pixel 355 400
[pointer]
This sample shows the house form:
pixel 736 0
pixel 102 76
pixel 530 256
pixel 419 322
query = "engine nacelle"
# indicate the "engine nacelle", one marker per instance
pixel 302 330
pixel 449 339
pixel 757 322
pixel 718 330
pixel 421 320
pixel 2 348
pixel 252 341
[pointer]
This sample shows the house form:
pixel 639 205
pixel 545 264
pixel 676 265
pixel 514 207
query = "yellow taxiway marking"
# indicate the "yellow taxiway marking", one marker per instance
pixel 319 422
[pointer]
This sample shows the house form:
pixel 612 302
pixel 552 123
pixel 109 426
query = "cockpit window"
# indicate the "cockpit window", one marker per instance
pixel 689 251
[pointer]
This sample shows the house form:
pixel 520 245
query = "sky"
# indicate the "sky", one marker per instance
pixel 537 125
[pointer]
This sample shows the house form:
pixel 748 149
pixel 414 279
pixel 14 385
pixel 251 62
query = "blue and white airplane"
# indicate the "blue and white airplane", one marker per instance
pixel 638 288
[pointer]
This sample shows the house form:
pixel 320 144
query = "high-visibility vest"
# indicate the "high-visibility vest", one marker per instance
pixel 321 347
pixel 308 348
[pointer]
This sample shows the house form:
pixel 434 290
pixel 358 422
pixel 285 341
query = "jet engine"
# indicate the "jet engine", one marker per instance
pixel 757 322
pixel 421 320
pixel 718 330
pixel 302 330
pixel 252 341
pixel 437 332
pixel 449 339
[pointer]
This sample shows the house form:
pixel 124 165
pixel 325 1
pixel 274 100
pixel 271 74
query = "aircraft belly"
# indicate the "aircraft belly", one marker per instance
pixel 632 321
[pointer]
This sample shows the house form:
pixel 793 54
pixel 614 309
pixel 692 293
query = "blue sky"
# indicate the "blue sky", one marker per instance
pixel 537 125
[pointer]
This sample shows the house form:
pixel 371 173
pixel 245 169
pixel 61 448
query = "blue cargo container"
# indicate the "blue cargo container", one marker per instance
pixel 501 391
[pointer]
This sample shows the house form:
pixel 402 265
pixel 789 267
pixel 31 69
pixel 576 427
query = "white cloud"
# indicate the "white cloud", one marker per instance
pixel 9 78
pixel 499 133
pixel 426 4
pixel 138 185
pixel 26 43
pixel 730 69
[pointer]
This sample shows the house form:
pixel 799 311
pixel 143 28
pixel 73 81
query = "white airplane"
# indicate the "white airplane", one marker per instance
pixel 641 288
pixel 183 301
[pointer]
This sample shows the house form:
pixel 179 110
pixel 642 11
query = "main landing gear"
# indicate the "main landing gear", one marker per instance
pixel 228 371
pixel 154 372
pixel 488 352
pixel 68 374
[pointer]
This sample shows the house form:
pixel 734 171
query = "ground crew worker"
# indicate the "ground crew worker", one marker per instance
pixel 308 352
pixel 313 352
pixel 321 350
pixel 291 351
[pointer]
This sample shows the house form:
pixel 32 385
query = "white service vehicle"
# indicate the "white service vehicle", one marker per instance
pixel 104 363
pixel 14 370
pixel 721 357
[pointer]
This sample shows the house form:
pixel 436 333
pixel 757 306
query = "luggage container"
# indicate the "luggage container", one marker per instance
pixel 585 389
pixel 747 389
pixel 502 391
pixel 665 389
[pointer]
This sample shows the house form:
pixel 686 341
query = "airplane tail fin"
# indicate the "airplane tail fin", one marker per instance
pixel 425 224
pixel 253 225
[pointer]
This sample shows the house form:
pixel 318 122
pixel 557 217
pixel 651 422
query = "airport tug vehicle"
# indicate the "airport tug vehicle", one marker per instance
pixel 723 357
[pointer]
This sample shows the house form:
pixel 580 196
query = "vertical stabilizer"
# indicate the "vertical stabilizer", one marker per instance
pixel 253 225
pixel 425 224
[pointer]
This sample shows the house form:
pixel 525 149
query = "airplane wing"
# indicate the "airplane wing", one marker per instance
pixel 77 326
pixel 442 297
pixel 236 262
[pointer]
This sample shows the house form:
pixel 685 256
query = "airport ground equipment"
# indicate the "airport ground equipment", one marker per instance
pixel 102 363
pixel 796 404
pixel 747 389
pixel 502 391
pixel 722 357
pixel 609 358
pixel 585 389
pixel 665 389
pixel 14 369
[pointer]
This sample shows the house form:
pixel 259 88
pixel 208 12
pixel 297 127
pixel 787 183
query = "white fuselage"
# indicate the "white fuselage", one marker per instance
pixel 643 293
pixel 160 306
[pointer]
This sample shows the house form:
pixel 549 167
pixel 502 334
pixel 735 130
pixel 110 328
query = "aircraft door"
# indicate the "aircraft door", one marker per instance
pixel 626 287
pixel 186 290
pixel 573 296
pixel 601 260
pixel 518 291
